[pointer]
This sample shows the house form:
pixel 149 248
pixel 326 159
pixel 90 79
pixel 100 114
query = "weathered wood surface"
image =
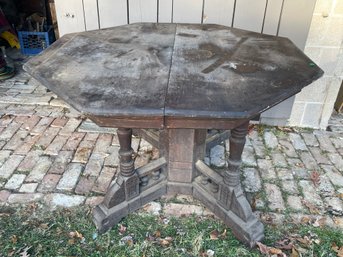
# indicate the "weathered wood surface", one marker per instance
pixel 111 72
pixel 229 73
pixel 168 72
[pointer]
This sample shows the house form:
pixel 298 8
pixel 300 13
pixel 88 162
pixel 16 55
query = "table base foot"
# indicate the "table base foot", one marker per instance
pixel 180 170
pixel 105 218
pixel 174 188
pixel 249 230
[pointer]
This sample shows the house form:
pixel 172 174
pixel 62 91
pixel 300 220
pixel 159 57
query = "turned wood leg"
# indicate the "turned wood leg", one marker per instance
pixel 231 194
pixel 127 184
pixel 228 201
pixel 237 142
pixel 127 168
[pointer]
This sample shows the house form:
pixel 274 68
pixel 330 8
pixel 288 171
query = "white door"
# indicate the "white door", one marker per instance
pixel 70 16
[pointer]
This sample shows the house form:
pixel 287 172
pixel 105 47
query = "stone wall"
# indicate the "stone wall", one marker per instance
pixel 314 104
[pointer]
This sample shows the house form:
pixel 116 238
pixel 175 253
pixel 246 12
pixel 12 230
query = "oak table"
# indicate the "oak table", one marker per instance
pixel 179 80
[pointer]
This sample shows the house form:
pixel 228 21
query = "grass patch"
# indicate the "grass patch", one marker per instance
pixel 72 233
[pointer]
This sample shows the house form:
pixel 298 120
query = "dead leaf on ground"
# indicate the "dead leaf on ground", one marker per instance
pixel 121 229
pixel 7 117
pixel 276 251
pixel 44 225
pixel 340 195
pixel 337 221
pixel 214 235
pixel 270 251
pixel 285 129
pixel 267 218
pixel 126 240
pixel 146 207
pixel 223 235
pixel 319 222
pixel 305 220
pixel 300 165
pixel 157 233
pixel 165 241
pixel 33 206
pixel 263 248
pixel 294 253
pixel 75 234
pixel 311 207
pixel 14 239
pixel 315 178
pixel 71 241
pixel 58 231
pixel 338 250
pixel 285 244
pixel 305 241
pixel 251 128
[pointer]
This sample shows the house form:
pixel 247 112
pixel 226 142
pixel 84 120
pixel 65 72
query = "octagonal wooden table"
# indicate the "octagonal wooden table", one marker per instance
pixel 181 80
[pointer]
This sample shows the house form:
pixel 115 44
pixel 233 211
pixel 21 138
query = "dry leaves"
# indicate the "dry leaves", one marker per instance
pixel 315 178
pixel 156 237
pixel 121 229
pixel 215 235
pixel 285 244
pixel 267 218
pixel 75 235
pixel 294 253
pixel 293 246
pixel 44 226
pixel 270 251
pixel 305 241
pixel 300 165
pixel 165 241
pixel 313 220
pixel 14 239
pixel 312 208
pixel 285 129
pixel 319 222
pixel 126 240
pixel 338 250
pixel 251 128
pixel 337 221
pixel 157 233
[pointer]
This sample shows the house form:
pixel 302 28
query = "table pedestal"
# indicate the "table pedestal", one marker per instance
pixel 180 169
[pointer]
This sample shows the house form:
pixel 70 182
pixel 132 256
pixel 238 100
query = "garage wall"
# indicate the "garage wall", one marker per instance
pixel 314 105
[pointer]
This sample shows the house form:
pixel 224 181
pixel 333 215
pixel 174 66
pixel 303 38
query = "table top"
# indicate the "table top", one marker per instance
pixel 152 72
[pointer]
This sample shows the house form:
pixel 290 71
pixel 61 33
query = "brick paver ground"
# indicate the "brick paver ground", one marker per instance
pixel 50 154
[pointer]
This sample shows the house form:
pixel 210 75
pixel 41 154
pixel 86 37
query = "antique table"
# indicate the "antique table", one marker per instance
pixel 181 80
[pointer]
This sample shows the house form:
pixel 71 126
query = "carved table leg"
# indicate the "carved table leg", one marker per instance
pixel 229 202
pixel 124 195
pixel 231 194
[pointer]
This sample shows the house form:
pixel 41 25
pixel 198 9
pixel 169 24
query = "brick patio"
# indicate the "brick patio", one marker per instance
pixel 50 154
